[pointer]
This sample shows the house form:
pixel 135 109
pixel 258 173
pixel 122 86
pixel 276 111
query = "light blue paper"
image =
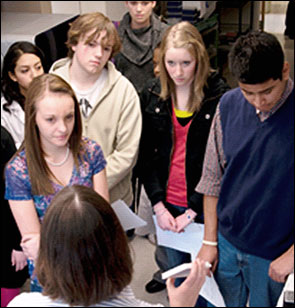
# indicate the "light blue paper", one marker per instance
pixel 128 219
pixel 190 241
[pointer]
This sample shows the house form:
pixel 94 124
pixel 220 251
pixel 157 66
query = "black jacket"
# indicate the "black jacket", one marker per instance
pixel 157 141
pixel 10 235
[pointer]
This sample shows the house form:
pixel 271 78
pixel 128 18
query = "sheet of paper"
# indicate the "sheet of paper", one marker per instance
pixel 190 241
pixel 289 286
pixel 211 292
pixel 128 219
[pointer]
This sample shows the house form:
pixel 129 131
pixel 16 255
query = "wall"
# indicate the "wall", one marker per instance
pixel 26 6
pixel 276 7
pixel 93 6
pixel 116 10
pixel 113 9
pixel 62 7
pixel 78 7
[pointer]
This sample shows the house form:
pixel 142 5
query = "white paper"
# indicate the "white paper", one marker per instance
pixel 181 271
pixel 190 241
pixel 289 286
pixel 210 291
pixel 128 219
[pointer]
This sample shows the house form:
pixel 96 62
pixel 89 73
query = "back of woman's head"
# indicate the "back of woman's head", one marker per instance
pixel 185 35
pixel 10 89
pixel 84 254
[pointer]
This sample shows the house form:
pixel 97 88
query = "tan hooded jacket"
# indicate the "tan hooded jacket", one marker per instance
pixel 115 123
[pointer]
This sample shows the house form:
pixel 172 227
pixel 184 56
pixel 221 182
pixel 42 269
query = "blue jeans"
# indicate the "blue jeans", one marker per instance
pixel 176 257
pixel 242 277
pixel 161 260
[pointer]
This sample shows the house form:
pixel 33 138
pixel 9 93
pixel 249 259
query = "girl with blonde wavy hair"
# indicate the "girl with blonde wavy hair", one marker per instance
pixel 185 36
pixel 177 114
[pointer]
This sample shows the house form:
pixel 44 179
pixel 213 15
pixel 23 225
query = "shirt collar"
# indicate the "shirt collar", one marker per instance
pixel 286 93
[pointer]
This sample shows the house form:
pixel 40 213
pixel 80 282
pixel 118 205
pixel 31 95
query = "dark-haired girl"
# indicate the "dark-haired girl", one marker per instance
pixel 22 63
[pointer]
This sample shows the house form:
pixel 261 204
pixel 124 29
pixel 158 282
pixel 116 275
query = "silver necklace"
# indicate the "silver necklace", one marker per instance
pixel 60 163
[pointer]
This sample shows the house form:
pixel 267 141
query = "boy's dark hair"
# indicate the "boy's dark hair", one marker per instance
pixel 256 58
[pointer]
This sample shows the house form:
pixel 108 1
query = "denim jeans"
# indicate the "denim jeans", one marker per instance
pixel 242 277
pixel 161 260
pixel 176 257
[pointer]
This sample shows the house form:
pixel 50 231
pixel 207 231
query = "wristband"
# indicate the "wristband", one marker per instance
pixel 210 243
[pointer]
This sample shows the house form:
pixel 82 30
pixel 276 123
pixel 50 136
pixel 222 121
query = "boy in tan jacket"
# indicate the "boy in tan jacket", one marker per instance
pixel 109 102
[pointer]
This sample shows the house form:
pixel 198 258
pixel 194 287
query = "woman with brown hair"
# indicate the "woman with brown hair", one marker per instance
pixel 54 155
pixel 85 259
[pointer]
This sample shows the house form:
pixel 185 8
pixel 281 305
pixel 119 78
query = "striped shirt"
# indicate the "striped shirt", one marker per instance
pixel 215 161
pixel 35 299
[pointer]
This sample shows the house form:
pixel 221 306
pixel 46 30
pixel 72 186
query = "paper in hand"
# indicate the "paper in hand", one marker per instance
pixel 190 241
pixel 128 219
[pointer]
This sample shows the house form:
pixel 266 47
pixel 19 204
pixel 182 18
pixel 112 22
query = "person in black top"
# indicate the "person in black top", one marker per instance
pixel 289 31
pixel 14 271
pixel 177 114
